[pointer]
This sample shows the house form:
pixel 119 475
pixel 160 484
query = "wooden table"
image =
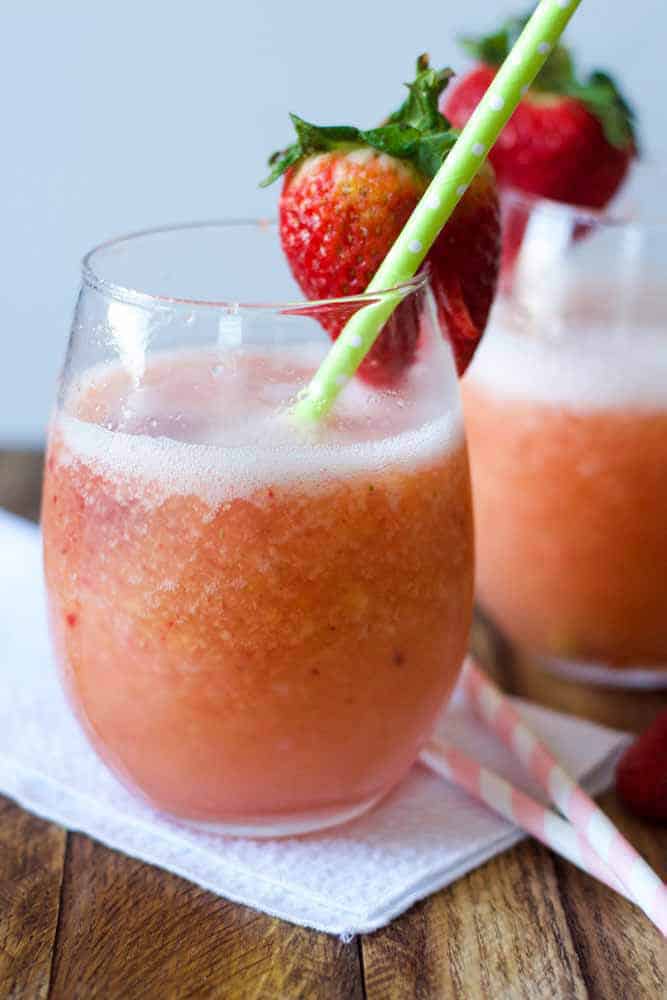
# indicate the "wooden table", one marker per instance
pixel 80 921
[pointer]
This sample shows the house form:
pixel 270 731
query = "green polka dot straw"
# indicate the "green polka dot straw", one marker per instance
pixel 437 204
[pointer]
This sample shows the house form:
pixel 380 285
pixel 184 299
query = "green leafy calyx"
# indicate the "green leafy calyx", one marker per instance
pixel 603 99
pixel 416 132
pixel 599 93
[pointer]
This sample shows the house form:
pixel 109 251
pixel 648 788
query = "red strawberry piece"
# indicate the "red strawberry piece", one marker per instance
pixel 346 196
pixel 569 140
pixel 641 775
pixel 339 213
pixel 464 263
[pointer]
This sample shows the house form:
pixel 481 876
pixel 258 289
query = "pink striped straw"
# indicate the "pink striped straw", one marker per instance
pixel 499 714
pixel 456 766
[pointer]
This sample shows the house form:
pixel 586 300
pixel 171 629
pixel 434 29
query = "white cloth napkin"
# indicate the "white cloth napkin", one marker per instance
pixel 353 879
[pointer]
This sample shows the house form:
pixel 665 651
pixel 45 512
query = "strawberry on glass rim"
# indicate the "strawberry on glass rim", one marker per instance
pixel 570 140
pixel 346 195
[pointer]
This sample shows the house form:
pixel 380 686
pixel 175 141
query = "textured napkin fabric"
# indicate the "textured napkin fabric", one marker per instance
pixel 353 879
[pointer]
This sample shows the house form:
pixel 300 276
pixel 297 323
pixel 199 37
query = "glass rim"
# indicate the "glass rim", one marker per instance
pixel 137 296
pixel 618 215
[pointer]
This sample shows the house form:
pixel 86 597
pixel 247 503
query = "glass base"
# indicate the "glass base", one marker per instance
pixel 285 826
pixel 588 672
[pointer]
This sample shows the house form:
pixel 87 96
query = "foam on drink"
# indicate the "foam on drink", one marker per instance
pixel 217 425
pixel 587 366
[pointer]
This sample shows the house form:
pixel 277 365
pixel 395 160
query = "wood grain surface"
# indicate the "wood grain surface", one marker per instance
pixel 80 921
pixel 130 930
pixel 499 932
pixel 31 869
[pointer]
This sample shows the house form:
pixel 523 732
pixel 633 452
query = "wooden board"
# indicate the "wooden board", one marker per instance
pixel 496 933
pixel 31 869
pixel 130 930
pixel 80 921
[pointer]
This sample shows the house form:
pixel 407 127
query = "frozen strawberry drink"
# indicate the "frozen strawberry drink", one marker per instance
pixel 257 625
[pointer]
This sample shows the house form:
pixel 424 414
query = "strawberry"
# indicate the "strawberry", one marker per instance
pixel 569 140
pixel 641 775
pixel 347 194
pixel 339 212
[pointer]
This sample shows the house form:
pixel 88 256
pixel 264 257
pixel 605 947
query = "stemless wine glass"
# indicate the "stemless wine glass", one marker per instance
pixel 566 412
pixel 256 623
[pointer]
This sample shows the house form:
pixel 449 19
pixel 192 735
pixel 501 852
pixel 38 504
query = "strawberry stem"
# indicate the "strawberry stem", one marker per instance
pixel 416 132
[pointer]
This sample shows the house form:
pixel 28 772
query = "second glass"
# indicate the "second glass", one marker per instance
pixel 566 413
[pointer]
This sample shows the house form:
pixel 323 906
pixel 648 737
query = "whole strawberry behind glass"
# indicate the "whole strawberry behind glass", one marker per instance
pixel 570 139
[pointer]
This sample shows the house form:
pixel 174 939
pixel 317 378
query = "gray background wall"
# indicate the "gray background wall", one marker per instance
pixel 128 114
